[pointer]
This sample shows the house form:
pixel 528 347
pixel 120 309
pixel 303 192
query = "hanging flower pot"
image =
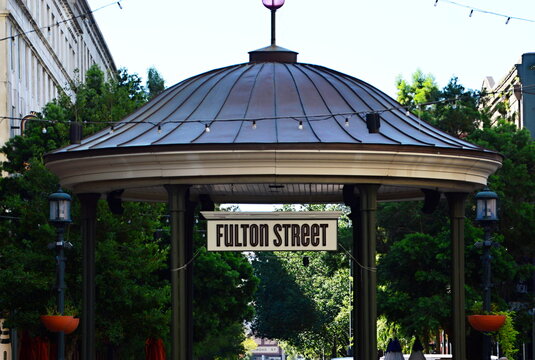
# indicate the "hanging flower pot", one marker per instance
pixel 72 326
pixel 486 323
pixel 56 323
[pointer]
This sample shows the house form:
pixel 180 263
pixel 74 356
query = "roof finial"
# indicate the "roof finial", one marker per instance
pixel 273 53
pixel 273 5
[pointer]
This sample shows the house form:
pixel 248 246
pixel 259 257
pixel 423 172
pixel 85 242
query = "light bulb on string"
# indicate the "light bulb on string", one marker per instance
pixel 44 130
pixel 436 2
pixel 207 128
pixel 508 19
pixel 471 13
pixel 254 124
pixel 112 129
pixel 347 122
pixel 159 129
pixel 300 127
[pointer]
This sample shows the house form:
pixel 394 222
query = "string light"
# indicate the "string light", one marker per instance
pixel 119 4
pixel 483 11
pixel 43 130
pixel 58 23
pixel 310 118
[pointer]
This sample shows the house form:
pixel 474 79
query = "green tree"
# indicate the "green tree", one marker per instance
pixel 155 83
pixel 413 243
pixel 422 89
pixel 126 252
pixel 133 294
pixel 514 182
pixel 310 292
pixel 282 309
pixel 224 285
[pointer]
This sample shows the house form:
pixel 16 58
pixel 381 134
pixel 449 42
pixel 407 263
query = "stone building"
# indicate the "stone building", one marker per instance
pixel 514 95
pixel 45 46
pixel 5 342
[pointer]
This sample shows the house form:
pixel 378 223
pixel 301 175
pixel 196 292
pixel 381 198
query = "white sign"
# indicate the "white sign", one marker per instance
pixel 272 231
pixel 266 349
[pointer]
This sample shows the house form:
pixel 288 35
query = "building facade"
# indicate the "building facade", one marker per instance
pixel 5 342
pixel 45 46
pixel 514 96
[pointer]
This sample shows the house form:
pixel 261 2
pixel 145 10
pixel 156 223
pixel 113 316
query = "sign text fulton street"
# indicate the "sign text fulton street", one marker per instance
pixel 269 231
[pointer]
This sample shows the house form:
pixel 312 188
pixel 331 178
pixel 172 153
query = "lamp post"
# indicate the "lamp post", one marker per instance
pixel 486 215
pixel 60 216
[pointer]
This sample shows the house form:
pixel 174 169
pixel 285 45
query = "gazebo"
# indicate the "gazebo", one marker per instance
pixel 273 130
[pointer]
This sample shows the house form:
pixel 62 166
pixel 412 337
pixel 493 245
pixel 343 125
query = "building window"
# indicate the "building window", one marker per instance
pixel 42 13
pixel 13 123
pixel 48 23
pixel 12 47
pixel 19 58
pixel 38 82
pixel 27 62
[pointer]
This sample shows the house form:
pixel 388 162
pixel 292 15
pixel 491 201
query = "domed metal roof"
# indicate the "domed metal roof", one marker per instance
pixel 269 131
pixel 269 103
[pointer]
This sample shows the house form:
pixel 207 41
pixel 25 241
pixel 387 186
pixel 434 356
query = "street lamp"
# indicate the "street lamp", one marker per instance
pixel 60 216
pixel 486 215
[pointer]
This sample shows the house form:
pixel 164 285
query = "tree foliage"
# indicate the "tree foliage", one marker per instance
pixel 224 285
pixel 417 244
pixel 304 298
pixel 133 292
pixel 155 83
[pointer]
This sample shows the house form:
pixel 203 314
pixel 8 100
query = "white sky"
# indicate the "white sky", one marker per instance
pixel 374 40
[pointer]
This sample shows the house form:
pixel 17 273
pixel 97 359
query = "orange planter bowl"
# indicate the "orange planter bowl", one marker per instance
pixel 486 323
pixel 55 323
pixel 72 326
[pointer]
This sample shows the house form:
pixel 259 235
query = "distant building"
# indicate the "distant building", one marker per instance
pixel 514 95
pixel 267 350
pixel 514 98
pixel 43 50
pixel 5 342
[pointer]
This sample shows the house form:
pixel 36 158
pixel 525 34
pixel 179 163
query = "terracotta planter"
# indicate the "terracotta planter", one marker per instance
pixel 72 326
pixel 56 323
pixel 486 323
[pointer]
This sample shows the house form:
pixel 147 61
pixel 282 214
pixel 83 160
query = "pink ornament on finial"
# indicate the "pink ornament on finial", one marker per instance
pixel 273 4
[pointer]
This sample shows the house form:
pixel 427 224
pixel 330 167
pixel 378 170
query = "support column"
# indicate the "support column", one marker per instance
pixel 456 202
pixel 88 215
pixel 190 224
pixel 364 219
pixel 356 315
pixel 181 304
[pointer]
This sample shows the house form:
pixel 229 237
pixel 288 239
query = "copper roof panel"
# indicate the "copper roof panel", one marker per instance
pixel 265 103
pixel 261 103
